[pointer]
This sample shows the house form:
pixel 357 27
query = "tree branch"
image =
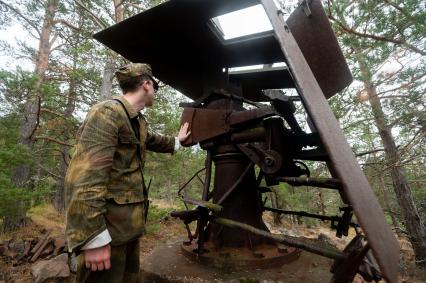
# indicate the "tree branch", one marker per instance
pixel 52 112
pixel 119 4
pixel 369 152
pixel 53 140
pixel 406 85
pixel 56 48
pixel 97 20
pixel 52 41
pixel 66 23
pixel 17 12
pixel 401 10
pixel 377 37
pixel 410 144
pixel 140 7
pixel 50 173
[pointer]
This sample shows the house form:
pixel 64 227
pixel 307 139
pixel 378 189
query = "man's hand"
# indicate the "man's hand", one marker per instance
pixel 98 258
pixel 183 132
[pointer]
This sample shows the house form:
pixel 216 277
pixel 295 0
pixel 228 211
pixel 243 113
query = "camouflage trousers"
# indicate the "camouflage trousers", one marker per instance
pixel 124 266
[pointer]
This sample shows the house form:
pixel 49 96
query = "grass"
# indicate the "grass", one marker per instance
pixel 46 216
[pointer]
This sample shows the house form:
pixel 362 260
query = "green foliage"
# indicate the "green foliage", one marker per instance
pixel 155 215
pixel 170 172
pixel 15 199
pixel 15 87
pixel 384 44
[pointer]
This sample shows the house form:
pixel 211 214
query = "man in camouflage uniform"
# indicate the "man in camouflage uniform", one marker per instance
pixel 106 197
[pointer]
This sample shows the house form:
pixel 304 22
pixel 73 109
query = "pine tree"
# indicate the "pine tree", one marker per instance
pixel 376 34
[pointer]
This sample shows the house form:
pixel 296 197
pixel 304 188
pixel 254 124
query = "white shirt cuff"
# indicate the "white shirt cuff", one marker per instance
pixel 100 240
pixel 177 143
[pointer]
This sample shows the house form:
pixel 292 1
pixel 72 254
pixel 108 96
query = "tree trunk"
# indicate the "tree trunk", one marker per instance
pixel 107 77
pixel 119 10
pixel 59 201
pixel 109 67
pixel 383 188
pixel 29 124
pixel 321 203
pixel 275 204
pixel 412 220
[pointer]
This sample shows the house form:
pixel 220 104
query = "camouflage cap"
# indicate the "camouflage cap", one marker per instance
pixel 134 70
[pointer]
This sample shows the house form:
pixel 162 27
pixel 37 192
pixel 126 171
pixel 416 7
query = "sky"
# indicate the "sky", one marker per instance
pixel 12 35
pixel 244 22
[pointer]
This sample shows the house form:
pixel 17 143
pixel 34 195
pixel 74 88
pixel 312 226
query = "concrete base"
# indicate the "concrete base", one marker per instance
pixel 167 264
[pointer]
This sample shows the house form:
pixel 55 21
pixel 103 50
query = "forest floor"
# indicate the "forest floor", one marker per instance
pixel 162 229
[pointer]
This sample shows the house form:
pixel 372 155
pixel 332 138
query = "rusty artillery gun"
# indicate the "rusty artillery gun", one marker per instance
pixel 244 120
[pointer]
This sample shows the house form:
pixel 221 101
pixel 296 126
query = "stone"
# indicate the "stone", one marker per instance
pixel 51 269
pixel 73 263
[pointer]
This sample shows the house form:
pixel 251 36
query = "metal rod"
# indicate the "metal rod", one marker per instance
pixel 202 222
pixel 259 192
pixel 208 167
pixel 329 183
pixel 302 213
pixel 234 186
pixel 199 179
pixel 306 214
pixel 193 176
pixel 284 239
pixel 202 203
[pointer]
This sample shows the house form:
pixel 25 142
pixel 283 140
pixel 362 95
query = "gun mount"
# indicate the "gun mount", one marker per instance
pixel 182 42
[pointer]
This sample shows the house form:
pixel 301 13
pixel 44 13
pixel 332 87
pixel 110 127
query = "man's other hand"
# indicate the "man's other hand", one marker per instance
pixel 183 132
pixel 98 259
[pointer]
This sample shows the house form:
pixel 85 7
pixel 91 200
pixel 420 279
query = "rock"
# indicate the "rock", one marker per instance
pixel 326 240
pixel 59 245
pixel 47 250
pixel 73 263
pixel 9 252
pixel 47 269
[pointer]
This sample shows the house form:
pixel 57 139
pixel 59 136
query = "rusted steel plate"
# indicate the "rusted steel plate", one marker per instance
pixel 319 45
pixel 204 124
pixel 239 117
pixel 207 123
pixel 355 185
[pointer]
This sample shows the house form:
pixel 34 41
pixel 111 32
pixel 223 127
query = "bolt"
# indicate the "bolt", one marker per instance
pixel 282 249
pixel 269 161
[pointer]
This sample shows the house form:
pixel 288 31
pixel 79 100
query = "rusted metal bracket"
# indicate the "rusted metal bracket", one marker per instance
pixel 285 107
pixel 342 227
pixel 268 160
pixel 357 262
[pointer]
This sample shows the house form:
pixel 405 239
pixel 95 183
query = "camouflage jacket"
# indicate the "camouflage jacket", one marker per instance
pixel 104 181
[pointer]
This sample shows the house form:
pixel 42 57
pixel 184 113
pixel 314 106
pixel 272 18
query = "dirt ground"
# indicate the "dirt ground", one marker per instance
pixel 168 229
